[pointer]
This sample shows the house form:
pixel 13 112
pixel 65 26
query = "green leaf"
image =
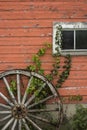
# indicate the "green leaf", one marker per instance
pixel 41 71
pixel 48 45
pixel 35 58
pixel 31 68
pixel 41 52
pixel 49 77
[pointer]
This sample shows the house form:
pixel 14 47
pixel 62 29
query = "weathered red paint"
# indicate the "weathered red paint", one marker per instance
pixel 26 25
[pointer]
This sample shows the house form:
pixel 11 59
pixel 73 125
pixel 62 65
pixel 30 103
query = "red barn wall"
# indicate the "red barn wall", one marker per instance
pixel 26 24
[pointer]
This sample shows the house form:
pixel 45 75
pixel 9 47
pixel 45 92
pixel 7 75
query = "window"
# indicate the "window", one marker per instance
pixel 73 38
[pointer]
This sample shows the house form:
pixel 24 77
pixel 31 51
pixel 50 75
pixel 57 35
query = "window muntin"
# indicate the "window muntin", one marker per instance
pixel 74 38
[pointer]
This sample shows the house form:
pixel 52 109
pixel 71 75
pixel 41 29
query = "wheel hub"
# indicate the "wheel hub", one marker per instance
pixel 19 111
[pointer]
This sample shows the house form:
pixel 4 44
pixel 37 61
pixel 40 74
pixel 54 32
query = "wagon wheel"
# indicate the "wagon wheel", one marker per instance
pixel 25 105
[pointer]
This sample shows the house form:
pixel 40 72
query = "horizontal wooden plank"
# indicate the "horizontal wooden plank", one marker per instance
pixel 42 1
pixel 42 14
pixel 41 23
pixel 25 23
pixel 19 58
pixel 46 6
pixel 20 49
pixel 75 75
pixel 8 57
pixel 75 83
pixel 76 62
pixel 74 67
pixel 78 75
pixel 45 32
pixel 25 58
pixel 76 59
pixel 73 91
pixel 24 41
pixel 47 59
pixel 15 58
pixel 10 66
pixel 79 66
pixel 47 63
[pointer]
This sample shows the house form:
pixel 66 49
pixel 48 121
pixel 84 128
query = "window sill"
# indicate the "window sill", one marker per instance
pixel 73 52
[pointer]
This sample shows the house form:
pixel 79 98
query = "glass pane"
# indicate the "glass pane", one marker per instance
pixel 67 40
pixel 81 39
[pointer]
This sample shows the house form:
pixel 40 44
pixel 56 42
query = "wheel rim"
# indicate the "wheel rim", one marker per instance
pixel 22 109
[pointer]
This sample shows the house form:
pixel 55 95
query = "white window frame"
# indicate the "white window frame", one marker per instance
pixel 69 26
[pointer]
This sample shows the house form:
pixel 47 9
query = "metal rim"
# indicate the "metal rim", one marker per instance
pixel 21 111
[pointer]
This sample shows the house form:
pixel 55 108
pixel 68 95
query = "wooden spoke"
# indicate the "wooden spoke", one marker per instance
pixel 5 106
pixel 40 102
pixel 33 96
pixel 10 92
pixel 25 124
pixel 39 118
pixel 14 125
pixel 33 123
pixel 6 99
pixel 5 118
pixel 8 124
pixel 42 110
pixel 26 93
pixel 19 124
pixel 18 89
pixel 5 112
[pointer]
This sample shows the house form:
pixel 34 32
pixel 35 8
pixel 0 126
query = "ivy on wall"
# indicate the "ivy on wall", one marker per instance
pixel 37 64
pixel 55 73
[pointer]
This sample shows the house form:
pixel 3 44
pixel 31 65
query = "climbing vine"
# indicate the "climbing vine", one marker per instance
pixel 36 66
pixel 54 73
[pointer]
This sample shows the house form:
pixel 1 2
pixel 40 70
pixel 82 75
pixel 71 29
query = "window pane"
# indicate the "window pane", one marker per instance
pixel 68 40
pixel 81 39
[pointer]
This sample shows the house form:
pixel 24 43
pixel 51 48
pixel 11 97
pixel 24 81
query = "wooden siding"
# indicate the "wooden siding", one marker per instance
pixel 26 24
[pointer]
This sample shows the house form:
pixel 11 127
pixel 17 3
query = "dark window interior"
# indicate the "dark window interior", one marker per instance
pixel 81 39
pixel 67 40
